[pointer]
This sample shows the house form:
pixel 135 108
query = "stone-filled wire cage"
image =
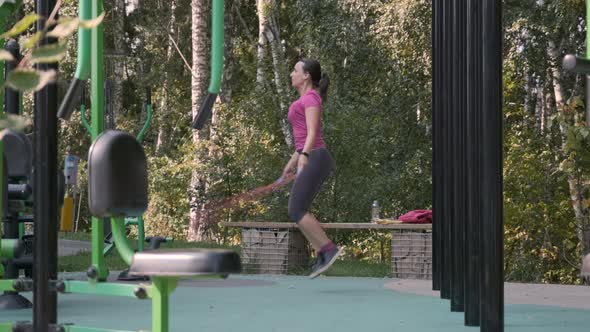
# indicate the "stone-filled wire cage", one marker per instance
pixel 411 254
pixel 273 251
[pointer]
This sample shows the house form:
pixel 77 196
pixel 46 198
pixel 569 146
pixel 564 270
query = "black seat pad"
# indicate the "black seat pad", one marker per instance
pixel 185 262
pixel 18 151
pixel 117 176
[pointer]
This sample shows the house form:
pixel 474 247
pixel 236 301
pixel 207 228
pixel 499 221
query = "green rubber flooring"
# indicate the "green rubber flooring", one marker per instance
pixel 288 303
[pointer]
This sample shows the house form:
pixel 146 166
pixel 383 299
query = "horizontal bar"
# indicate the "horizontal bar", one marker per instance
pixel 352 226
pixel 6 285
pixel 74 328
pixel 102 288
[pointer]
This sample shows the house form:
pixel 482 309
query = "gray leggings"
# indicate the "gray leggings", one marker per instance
pixel 308 182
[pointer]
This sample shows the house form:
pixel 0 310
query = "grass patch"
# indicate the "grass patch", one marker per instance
pixel 356 268
pixel 350 268
pixel 79 236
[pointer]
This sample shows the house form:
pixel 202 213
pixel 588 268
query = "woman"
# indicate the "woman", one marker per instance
pixel 311 158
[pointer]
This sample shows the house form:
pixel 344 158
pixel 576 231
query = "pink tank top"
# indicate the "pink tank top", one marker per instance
pixel 296 117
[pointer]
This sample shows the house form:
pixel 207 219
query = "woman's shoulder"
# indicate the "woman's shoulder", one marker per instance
pixel 312 98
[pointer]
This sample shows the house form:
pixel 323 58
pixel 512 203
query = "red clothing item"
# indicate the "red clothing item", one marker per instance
pixel 417 217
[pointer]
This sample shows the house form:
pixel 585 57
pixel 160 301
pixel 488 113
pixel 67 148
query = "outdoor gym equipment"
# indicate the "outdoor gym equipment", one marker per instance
pixel 15 193
pixel 581 65
pixel 216 65
pixel 16 168
pixel 117 187
pixel 17 184
pixel 75 96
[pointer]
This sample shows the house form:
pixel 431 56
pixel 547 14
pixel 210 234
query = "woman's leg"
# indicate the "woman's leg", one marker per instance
pixel 305 188
pixel 313 232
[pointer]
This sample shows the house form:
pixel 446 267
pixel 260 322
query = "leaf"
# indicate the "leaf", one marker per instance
pixel 31 42
pixel 65 28
pixel 13 121
pixel 92 23
pixel 6 56
pixel 586 203
pixel 21 25
pixel 29 79
pixel 49 53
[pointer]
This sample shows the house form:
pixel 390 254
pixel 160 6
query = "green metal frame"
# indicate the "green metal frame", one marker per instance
pixel 216 46
pixel 206 107
pixel 148 120
pixel 97 125
pixel 90 62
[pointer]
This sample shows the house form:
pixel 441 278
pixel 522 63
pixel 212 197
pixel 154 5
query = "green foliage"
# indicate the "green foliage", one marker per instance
pixel 545 146
pixel 167 213
pixel 376 121
pixel 22 25
pixel 26 78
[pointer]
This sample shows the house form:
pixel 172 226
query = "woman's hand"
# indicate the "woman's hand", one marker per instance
pixel 290 165
pixel 302 162
pixel 287 170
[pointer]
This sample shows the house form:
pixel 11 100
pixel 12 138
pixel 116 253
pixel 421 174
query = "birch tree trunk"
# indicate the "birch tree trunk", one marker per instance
pixel 120 45
pixel 271 30
pixel 162 140
pixel 575 180
pixel 540 106
pixel 200 50
pixel 262 11
pixel 226 89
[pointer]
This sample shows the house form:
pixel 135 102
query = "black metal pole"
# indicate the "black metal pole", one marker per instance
pixel 446 100
pixel 437 168
pixel 45 193
pixel 473 115
pixel 458 156
pixel 492 309
pixel 12 97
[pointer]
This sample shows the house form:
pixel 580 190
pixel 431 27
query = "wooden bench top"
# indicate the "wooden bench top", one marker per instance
pixel 350 226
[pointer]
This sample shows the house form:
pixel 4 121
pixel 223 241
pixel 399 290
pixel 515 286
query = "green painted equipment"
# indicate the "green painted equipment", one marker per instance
pixel 216 65
pixel 117 189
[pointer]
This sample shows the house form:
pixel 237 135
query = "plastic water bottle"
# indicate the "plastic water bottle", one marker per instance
pixel 374 211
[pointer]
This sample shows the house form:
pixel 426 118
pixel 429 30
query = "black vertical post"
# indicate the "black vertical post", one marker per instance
pixel 492 309
pixel 45 193
pixel 473 117
pixel 446 101
pixel 437 168
pixel 457 117
pixel 12 97
pixel 148 95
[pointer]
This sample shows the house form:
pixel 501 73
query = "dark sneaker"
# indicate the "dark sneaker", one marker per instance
pixel 324 261
pixel 318 261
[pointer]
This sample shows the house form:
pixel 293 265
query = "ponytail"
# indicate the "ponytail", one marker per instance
pixel 323 86
pixel 319 80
